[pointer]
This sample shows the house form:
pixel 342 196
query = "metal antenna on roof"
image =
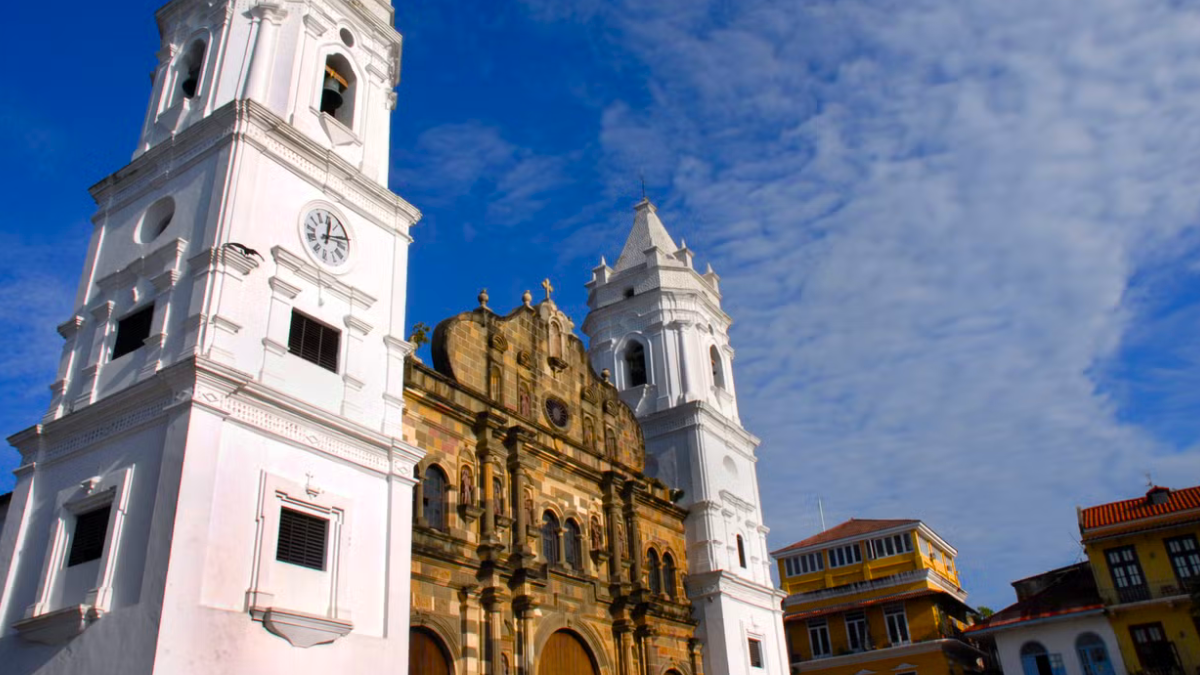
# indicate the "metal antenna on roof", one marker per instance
pixel 821 509
pixel 1149 480
pixel 642 176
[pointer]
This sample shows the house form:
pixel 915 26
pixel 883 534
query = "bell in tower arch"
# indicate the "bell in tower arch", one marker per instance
pixel 331 93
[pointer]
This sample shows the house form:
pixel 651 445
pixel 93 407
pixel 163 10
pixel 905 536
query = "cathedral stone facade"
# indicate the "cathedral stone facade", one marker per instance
pixel 242 468
pixel 539 544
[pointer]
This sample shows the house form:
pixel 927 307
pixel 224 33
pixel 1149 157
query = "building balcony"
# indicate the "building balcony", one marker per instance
pixel 959 650
pixel 927 576
pixel 1149 591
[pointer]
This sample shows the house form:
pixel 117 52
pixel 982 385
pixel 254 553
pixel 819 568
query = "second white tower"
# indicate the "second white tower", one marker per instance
pixel 656 325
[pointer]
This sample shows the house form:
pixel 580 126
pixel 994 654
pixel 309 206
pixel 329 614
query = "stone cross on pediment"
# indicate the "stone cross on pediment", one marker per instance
pixel 549 289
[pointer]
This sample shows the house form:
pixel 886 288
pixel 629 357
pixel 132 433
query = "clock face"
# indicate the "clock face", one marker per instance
pixel 326 237
pixel 557 412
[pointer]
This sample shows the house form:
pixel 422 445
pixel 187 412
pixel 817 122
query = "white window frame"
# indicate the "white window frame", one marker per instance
pixel 844 556
pixel 804 564
pixel 276 493
pixel 890 613
pixel 886 547
pixel 39 623
pixel 762 652
pixel 817 627
pixel 852 618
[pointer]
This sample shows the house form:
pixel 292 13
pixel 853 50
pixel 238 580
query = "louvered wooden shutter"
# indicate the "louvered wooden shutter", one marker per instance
pixel 301 539
pixel 313 341
pixel 88 541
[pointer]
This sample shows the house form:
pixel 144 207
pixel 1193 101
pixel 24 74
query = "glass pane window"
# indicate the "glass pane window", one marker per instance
pixel 897 624
pixel 1123 564
pixel 550 537
pixel 889 546
pixel 845 555
pixel 857 636
pixel 1155 652
pixel 818 638
pixel 1185 556
pixel 805 564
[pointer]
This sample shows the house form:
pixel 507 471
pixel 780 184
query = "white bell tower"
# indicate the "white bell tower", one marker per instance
pixel 657 327
pixel 219 483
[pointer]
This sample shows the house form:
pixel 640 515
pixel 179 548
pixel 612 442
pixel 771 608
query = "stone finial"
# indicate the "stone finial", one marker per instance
pixel 605 375
pixel 527 298
pixel 483 298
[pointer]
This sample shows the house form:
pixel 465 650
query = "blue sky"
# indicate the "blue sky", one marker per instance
pixel 958 240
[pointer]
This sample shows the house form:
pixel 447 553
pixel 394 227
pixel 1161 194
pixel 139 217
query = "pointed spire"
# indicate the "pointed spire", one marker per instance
pixel 648 231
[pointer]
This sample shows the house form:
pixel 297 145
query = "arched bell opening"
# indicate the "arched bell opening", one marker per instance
pixel 191 65
pixel 338 89
pixel 635 364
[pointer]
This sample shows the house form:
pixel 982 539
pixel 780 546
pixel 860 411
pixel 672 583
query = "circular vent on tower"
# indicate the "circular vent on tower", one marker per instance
pixel 155 221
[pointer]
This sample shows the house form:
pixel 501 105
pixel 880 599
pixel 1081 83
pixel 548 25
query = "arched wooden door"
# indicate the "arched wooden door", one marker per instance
pixel 426 655
pixel 565 654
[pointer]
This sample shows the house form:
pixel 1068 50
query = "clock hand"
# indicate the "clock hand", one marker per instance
pixel 328 227
pixel 334 236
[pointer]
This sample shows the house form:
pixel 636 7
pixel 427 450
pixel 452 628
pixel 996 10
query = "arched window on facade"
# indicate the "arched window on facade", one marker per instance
pixel 434 497
pixel 338 89
pixel 718 370
pixel 495 384
pixel 1093 654
pixel 652 569
pixel 668 574
pixel 1036 661
pixel 190 67
pixel 635 364
pixel 550 537
pixel 573 545
pixel 741 551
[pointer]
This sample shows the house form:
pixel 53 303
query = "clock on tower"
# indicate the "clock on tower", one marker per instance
pixel 220 484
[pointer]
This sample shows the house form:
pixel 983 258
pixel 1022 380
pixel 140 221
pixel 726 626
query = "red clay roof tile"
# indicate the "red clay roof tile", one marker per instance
pixel 1139 508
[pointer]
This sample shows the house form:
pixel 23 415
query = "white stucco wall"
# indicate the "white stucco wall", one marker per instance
pixel 694 439
pixel 1058 637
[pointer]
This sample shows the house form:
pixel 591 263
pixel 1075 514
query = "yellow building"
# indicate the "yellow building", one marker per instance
pixel 875 597
pixel 1146 559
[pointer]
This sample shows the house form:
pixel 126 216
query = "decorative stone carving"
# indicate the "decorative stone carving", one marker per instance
pixel 499 343
pixel 305 630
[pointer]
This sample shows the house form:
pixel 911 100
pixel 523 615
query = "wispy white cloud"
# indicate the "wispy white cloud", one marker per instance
pixel 927 215
pixel 451 161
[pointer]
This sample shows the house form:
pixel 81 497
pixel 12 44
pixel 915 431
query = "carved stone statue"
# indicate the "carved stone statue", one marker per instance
pixel 467 486
pixel 597 535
